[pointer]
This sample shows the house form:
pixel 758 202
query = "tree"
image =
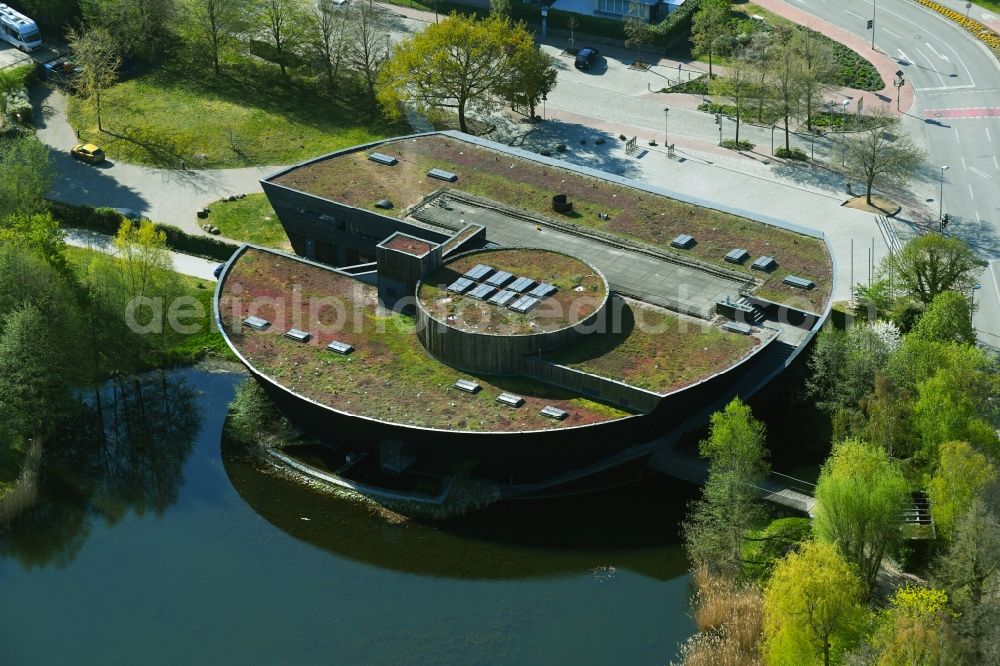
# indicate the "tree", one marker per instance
pixel 818 67
pixel 97 57
pixel 962 475
pixel 462 63
pixel 917 629
pixel 38 234
pixel 369 42
pixel 759 52
pixel 860 499
pixel 571 25
pixel 730 504
pixel 534 77
pixel 889 412
pixel 844 364
pixel 786 79
pixel 948 318
pixel 138 29
pixel 877 154
pixel 27 176
pixel 212 25
pixel 500 7
pixel 930 264
pixel 954 404
pixel 330 27
pixel 709 28
pixel 811 607
pixel 284 24
pixel 637 33
pixel 735 88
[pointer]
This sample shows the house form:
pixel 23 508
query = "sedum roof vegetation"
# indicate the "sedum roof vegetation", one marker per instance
pixel 529 185
pixel 389 376
pixel 581 290
pixel 657 350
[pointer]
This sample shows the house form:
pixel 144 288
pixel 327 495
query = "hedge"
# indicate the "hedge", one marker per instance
pixel 107 221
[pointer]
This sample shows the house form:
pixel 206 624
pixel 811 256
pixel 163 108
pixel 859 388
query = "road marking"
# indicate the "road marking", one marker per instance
pixel 946 22
pixel 981 173
pixel 903 57
pixel 891 33
pixel 957 140
pixel 848 11
pixel 988 137
pixel 963 163
pixel 950 89
pixel 930 63
pixel 996 165
pixel 971 195
pixel 977 218
pixel 943 57
pixel 964 112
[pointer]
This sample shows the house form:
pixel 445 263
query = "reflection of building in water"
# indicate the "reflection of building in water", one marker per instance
pixel 458 304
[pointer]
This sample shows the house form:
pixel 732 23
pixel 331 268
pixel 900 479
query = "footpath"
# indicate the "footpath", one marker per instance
pixel 185 264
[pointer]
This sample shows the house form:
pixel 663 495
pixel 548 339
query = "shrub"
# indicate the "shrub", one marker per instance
pixel 793 154
pixel 697 86
pixel 738 145
pixel 107 221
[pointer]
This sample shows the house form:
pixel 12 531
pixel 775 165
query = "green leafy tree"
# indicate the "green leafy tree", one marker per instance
pixel 844 364
pixel 950 406
pixel 212 26
pixel 96 54
pixel 917 628
pixel 140 29
pixel 27 176
pixel 710 29
pixel 39 234
pixel 948 318
pixel 463 63
pixel 638 33
pixel 500 7
pixel 881 154
pixel 534 77
pixel 730 504
pixel 931 264
pixel 962 475
pixel 812 608
pixel 860 499
pixel 736 87
pixel 889 413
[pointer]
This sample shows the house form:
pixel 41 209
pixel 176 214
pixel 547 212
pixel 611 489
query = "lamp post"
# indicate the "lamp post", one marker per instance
pixel 718 121
pixel 873 25
pixel 772 138
pixel 899 82
pixel 666 127
pixel 843 131
pixel 544 97
pixel 941 194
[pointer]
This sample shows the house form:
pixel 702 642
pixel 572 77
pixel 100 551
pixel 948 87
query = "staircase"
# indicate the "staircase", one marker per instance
pixel 917 520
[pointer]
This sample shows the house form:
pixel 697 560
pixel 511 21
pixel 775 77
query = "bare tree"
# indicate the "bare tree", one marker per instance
pixel 330 28
pixel 369 42
pixel 284 25
pixel 213 24
pixel 571 24
pixel 786 80
pixel 817 68
pixel 877 154
pixel 139 28
pixel 96 54
pixel 759 53
pixel 736 87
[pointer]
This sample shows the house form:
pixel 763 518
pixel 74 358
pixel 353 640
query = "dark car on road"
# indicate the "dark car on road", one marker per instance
pixel 586 57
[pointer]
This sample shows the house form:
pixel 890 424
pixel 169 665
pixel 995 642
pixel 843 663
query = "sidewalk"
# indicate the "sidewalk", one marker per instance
pixel 184 264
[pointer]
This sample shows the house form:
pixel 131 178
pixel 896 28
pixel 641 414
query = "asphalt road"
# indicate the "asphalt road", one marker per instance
pixel 957 85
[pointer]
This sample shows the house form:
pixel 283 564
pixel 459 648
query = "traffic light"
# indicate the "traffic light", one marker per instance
pixel 945 219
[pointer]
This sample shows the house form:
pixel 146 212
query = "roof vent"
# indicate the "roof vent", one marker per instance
pixel 736 327
pixel 441 174
pixel 499 279
pixel 683 241
pixel 561 204
pixel 796 281
pixel 467 386
pixel 478 272
pixel 544 290
pixel 461 285
pixel 340 347
pixel 737 256
pixel 482 292
pixel 521 284
pixel 384 204
pixel 554 412
pixel 503 297
pixel 257 323
pixel 764 264
pixel 510 399
pixel 524 304
pixel 297 335
pixel 382 158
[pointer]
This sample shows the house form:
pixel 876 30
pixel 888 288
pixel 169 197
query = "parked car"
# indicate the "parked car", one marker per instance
pixel 586 57
pixel 218 270
pixel 130 214
pixel 87 152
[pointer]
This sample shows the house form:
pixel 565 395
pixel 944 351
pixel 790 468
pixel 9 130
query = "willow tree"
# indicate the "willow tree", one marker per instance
pixel 462 63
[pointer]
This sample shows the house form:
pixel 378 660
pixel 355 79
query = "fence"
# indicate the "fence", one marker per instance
pixel 593 386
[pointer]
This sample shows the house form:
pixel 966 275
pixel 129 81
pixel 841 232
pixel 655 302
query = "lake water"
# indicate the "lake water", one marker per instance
pixel 160 548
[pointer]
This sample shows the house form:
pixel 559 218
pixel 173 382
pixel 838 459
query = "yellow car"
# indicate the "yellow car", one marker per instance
pixel 87 152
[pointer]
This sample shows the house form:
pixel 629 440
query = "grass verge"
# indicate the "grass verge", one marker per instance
pixel 177 114
pixel 251 220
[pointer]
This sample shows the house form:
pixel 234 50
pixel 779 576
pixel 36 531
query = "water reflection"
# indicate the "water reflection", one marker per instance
pixel 126 454
pixel 634 527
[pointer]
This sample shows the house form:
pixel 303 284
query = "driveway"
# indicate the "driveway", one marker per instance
pixel 170 196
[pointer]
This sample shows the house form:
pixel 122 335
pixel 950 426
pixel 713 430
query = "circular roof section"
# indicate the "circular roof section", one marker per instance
pixel 509 292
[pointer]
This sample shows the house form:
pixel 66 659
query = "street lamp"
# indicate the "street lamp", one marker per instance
pixel 666 127
pixel 772 137
pixel 545 14
pixel 941 194
pixel 899 82
pixel 843 131
pixel 873 25
pixel 544 97
pixel 718 121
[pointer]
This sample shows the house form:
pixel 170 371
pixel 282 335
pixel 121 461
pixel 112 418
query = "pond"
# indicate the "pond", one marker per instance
pixel 158 547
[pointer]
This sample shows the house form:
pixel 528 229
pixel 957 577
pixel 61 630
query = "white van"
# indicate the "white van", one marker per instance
pixel 18 29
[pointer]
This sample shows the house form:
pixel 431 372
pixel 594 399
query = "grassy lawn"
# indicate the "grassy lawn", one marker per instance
pixel 182 349
pixel 251 220
pixel 178 114
pixel 528 185
pixel 657 350
pixel 389 376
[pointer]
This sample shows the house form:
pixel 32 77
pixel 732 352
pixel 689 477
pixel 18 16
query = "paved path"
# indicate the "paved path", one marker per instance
pixel 184 264
pixel 169 196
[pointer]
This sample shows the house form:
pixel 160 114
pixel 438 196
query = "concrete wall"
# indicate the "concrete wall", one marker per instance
pixel 593 386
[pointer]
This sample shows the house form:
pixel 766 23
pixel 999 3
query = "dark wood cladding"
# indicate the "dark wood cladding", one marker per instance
pixel 496 354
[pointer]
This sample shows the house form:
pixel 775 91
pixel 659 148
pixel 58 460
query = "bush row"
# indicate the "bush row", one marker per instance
pixel 791 154
pixel 853 71
pixel 107 221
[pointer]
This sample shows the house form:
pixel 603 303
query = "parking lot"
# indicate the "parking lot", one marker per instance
pixel 11 57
